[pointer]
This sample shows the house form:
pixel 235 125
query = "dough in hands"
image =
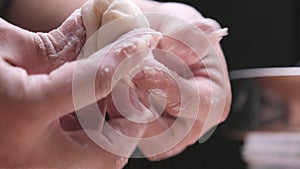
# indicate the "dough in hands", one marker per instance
pixel 117 17
pixel 108 20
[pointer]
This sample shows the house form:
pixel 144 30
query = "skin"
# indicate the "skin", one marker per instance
pixel 60 103
pixel 35 98
pixel 157 79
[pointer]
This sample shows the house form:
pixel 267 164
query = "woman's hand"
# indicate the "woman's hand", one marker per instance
pixel 36 76
pixel 194 102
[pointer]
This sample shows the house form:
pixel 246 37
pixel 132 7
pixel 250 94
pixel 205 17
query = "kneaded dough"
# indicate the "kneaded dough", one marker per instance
pixel 107 20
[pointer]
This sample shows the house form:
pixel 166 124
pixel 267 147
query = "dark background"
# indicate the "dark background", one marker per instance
pixel 262 33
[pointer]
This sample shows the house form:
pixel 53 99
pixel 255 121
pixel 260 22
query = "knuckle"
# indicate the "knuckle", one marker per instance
pixel 104 78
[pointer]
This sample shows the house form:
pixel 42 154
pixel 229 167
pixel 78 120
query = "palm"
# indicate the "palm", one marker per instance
pixel 36 91
pixel 210 80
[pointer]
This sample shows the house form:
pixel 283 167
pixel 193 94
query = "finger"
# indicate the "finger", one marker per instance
pixel 119 136
pixel 173 46
pixel 199 99
pixel 200 37
pixel 43 52
pixel 98 149
pixel 163 146
pixel 52 94
pixel 212 29
pixel 164 135
pixel 193 102
pixel 180 94
pixel 70 123
pixel 58 46
pixel 204 85
pixel 100 68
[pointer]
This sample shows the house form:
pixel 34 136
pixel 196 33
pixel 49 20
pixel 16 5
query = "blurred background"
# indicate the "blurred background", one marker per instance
pixel 261 33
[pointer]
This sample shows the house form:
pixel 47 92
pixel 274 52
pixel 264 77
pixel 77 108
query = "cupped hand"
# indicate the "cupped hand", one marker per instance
pixel 198 96
pixel 36 75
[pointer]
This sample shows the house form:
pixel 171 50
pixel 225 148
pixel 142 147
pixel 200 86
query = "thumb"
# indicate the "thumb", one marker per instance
pixel 58 46
pixel 56 93
pixel 42 52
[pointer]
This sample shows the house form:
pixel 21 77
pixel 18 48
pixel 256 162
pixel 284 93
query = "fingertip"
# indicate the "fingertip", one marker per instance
pixel 212 28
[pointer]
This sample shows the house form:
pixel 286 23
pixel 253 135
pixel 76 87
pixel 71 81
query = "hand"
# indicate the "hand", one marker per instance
pixel 36 75
pixel 210 82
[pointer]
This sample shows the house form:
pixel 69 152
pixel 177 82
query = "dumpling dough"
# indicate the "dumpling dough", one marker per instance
pixel 107 20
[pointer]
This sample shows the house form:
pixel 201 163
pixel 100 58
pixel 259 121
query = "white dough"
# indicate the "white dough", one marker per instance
pixel 108 20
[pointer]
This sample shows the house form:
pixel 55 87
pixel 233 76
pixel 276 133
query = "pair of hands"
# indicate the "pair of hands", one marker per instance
pixel 36 92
